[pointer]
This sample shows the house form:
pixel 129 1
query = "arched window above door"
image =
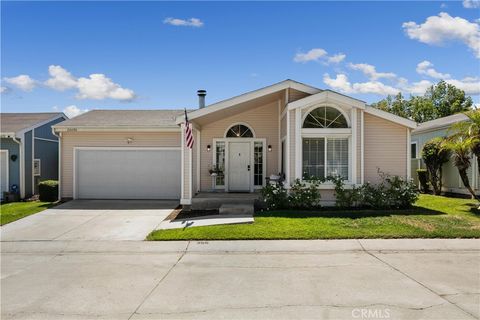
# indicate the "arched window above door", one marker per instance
pixel 239 131
pixel 325 117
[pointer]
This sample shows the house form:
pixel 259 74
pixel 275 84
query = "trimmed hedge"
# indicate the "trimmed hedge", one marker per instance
pixel 48 190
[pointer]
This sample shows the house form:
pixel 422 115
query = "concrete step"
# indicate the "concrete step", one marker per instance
pixel 216 203
pixel 236 209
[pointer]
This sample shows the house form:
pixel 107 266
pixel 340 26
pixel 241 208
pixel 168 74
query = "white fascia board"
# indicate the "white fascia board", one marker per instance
pixel 247 97
pixel 39 124
pixel 326 96
pixel 116 129
pixel 7 134
pixel 391 117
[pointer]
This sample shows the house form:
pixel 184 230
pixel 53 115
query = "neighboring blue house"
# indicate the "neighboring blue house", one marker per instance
pixel 28 150
pixel 426 131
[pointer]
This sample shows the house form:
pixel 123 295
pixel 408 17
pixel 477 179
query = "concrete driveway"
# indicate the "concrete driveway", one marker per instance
pixel 338 279
pixel 91 220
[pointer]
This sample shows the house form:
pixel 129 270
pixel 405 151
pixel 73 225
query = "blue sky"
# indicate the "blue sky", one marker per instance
pixel 140 59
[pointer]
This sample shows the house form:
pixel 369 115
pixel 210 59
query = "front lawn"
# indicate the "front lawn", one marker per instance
pixel 10 212
pixel 431 217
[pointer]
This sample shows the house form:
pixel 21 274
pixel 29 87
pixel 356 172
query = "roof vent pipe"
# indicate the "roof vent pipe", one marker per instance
pixel 201 98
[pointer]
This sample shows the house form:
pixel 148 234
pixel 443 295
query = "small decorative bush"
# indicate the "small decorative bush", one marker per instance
pixel 423 179
pixel 345 198
pixel 435 156
pixel 48 190
pixel 303 196
pixel 275 196
pixel 400 193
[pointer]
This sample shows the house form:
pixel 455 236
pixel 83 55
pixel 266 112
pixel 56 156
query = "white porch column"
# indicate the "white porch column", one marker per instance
pixel 354 144
pixel 186 173
pixel 409 155
pixel 298 143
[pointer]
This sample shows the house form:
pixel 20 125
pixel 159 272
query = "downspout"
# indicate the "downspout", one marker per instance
pixel 22 180
pixel 59 136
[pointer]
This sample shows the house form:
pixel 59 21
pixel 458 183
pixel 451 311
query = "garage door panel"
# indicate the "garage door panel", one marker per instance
pixel 128 174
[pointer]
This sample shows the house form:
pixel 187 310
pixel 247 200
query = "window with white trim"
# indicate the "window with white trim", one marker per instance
pixel 36 167
pixel 325 117
pixel 239 131
pixel 325 157
pixel 414 151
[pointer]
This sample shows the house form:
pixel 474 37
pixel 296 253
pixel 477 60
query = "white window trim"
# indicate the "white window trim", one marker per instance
pixel 241 124
pixel 39 167
pixel 416 149
pixel 8 170
pixel 331 105
pixel 252 141
pixel 329 185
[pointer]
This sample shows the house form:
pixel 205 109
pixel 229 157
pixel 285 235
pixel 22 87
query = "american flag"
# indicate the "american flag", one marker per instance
pixel 188 132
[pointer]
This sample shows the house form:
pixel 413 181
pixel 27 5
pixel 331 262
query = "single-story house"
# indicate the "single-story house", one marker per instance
pixel 28 150
pixel 287 128
pixel 426 131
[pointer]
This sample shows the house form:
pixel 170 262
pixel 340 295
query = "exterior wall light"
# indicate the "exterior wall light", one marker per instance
pixel 208 148
pixel 269 148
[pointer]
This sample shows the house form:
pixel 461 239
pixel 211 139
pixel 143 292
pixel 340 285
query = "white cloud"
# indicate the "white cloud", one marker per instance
pixel 416 88
pixel 470 85
pixel 23 82
pixel 342 84
pixel 60 79
pixel 312 55
pixel 72 111
pixel 471 4
pixel 337 58
pixel 371 72
pixel 426 68
pixel 98 86
pixel 3 89
pixel 319 55
pixel 437 30
pixel 192 22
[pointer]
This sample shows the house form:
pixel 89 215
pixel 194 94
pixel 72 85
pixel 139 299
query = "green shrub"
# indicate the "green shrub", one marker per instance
pixel 400 193
pixel 435 156
pixel 48 190
pixel 275 196
pixel 423 179
pixel 303 196
pixel 345 198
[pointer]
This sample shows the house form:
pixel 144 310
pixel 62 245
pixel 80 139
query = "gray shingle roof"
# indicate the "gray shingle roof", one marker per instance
pixel 120 118
pixel 440 123
pixel 15 122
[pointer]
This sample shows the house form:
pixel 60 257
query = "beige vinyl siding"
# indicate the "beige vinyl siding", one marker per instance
pixel 70 140
pixel 291 145
pixel 359 145
pixel 264 122
pixel 283 127
pixel 294 95
pixel 385 148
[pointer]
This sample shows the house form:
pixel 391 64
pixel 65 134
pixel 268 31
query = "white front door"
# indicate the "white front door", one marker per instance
pixel 239 166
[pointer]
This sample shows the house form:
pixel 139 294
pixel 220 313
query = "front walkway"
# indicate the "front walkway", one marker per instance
pixel 91 220
pixel 336 279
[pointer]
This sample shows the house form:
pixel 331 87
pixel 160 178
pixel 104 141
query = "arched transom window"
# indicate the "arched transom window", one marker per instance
pixel 325 117
pixel 239 131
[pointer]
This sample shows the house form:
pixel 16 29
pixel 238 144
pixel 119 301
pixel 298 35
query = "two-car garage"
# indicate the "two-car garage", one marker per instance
pixel 127 173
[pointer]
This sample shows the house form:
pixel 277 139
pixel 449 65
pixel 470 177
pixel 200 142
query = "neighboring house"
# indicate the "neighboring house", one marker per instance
pixel 29 150
pixel 439 128
pixel 289 128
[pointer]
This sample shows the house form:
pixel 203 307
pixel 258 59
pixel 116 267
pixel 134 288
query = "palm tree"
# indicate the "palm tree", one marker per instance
pixel 460 148
pixel 470 130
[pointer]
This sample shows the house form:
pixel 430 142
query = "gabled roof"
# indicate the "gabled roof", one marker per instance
pixel 391 117
pixel 13 123
pixel 123 119
pixel 250 96
pixel 325 95
pixel 440 123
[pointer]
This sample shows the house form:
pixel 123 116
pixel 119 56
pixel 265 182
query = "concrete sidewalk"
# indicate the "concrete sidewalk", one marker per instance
pixel 332 279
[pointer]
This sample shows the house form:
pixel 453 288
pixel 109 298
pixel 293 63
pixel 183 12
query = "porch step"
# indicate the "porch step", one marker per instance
pixel 213 201
pixel 236 209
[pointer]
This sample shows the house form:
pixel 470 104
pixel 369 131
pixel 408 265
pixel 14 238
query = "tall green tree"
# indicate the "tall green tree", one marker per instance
pixel 440 100
pixel 435 156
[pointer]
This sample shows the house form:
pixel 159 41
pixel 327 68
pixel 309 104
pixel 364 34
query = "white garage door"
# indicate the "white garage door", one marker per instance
pixel 128 173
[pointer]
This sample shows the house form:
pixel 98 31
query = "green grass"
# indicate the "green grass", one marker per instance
pixel 13 211
pixel 431 217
